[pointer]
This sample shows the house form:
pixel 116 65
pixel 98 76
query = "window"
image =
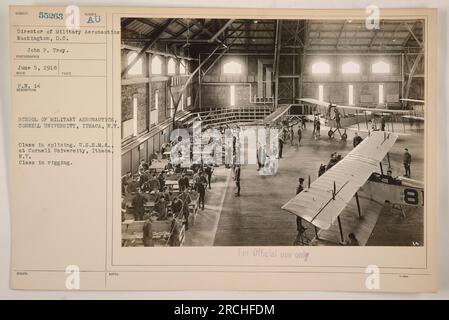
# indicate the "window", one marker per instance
pixel 232 96
pixel 350 67
pixel 321 68
pixel 136 69
pixel 380 67
pixel 320 92
pixel 129 127
pixel 381 93
pixel 182 102
pixel 232 67
pixel 351 95
pixel 156 65
pixel 172 106
pixel 156 100
pixel 182 67
pixel 171 66
pixel 189 101
pixel 135 116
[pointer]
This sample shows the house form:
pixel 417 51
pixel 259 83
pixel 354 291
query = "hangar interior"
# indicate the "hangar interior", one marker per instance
pixel 232 72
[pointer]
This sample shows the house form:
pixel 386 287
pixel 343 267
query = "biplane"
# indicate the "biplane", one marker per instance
pixel 339 118
pixel 415 115
pixel 325 199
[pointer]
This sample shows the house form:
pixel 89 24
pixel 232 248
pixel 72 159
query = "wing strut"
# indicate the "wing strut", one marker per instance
pixel 358 204
pixel 341 230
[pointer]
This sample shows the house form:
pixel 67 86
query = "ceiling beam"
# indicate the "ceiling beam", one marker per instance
pixel 126 22
pixel 153 25
pixel 202 27
pixel 340 33
pixel 221 30
pixel 223 52
pixel 413 34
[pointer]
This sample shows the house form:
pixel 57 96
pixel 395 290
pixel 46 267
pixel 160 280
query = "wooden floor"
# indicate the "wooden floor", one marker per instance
pixel 255 218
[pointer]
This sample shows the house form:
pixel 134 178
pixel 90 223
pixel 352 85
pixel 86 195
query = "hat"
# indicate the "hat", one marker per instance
pixel 301 180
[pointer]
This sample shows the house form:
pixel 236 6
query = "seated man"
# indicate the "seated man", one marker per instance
pixel 143 182
pixel 132 186
pixel 125 181
pixel 390 179
pixel 154 183
pixel 166 194
pixel 160 208
pixel 183 182
pixel 176 207
pixel 387 178
pixel 322 170
pixel 186 200
pixel 332 161
pixel 168 167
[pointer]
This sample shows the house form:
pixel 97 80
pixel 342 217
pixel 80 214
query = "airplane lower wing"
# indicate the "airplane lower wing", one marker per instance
pixel 413 100
pixel 413 118
pixel 356 129
pixel 320 204
pixel 324 104
pixel 279 112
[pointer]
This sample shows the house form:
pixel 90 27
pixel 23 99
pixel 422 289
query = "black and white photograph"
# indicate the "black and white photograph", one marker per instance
pixel 257 132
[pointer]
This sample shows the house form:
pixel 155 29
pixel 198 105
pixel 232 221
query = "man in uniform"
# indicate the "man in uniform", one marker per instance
pixel 201 185
pixel 260 157
pixel 337 118
pixel 281 146
pixel 317 128
pixel 183 182
pixel 357 139
pixel 407 163
pixel 154 183
pixel 382 123
pixel 148 232
pixel 237 179
pixel 292 135
pixel 299 226
pixel 300 187
pixel 209 171
pixel 321 170
pixel 185 198
pixel 138 203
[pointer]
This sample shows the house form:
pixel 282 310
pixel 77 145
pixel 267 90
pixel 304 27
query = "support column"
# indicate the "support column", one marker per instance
pixel 277 50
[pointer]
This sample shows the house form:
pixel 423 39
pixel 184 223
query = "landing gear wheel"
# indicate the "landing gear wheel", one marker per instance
pixel 344 136
pixel 330 134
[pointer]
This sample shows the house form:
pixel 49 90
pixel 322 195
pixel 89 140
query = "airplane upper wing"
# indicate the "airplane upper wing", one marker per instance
pixel 326 105
pixel 317 204
pixel 413 100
